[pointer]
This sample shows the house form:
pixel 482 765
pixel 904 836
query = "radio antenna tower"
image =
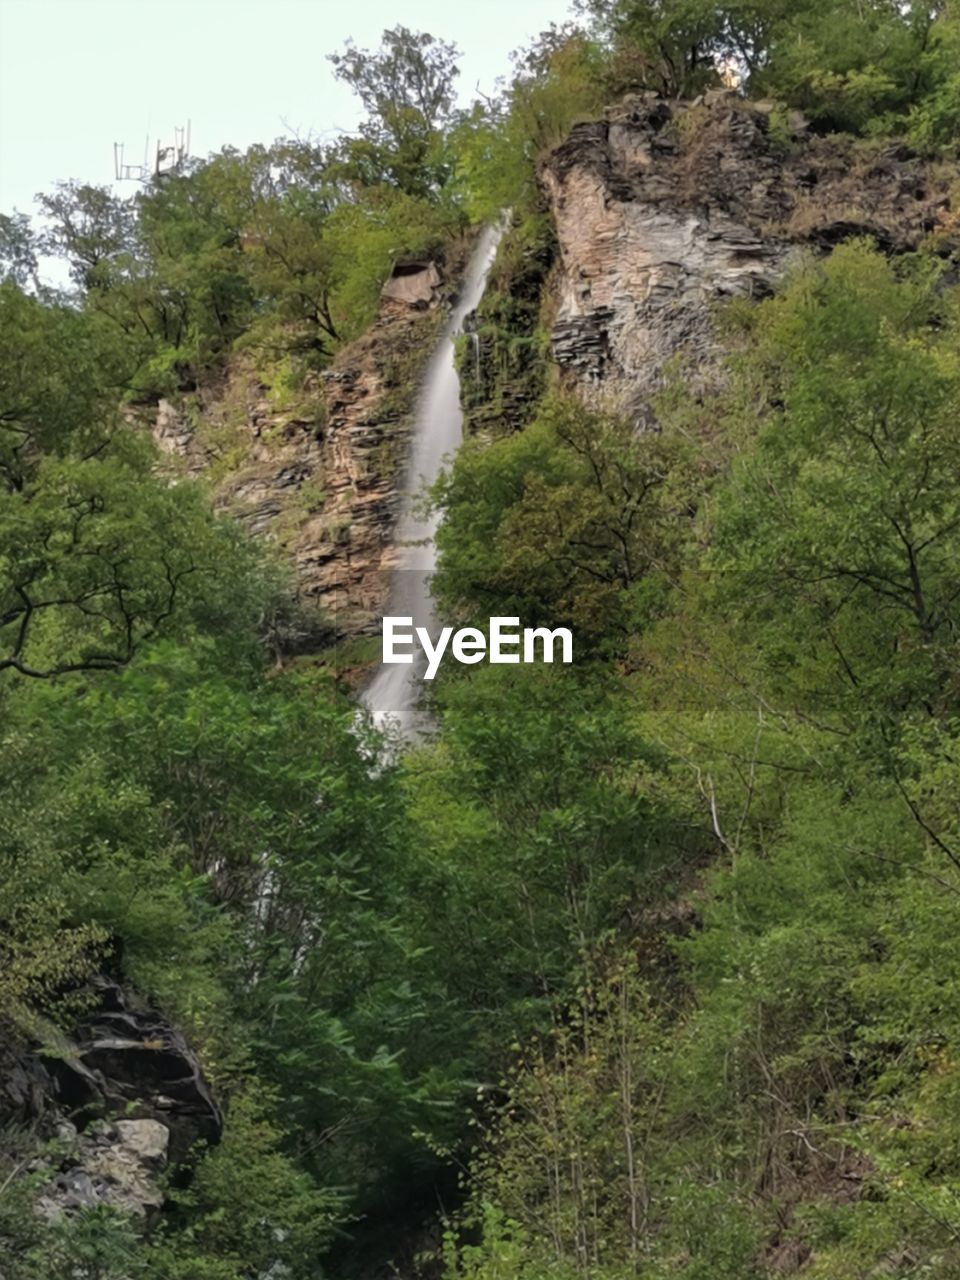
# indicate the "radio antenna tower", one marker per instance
pixel 168 159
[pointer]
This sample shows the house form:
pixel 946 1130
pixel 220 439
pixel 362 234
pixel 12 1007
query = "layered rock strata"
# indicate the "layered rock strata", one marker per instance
pixel 662 209
pixel 318 471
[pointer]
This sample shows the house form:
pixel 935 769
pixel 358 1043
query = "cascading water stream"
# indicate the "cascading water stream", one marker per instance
pixel 393 695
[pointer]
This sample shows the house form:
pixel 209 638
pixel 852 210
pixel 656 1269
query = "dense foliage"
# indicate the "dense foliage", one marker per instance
pixel 872 66
pixel 657 952
pixel 761 1073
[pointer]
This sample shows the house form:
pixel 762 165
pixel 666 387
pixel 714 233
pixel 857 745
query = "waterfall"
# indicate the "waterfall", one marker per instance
pixel 393 694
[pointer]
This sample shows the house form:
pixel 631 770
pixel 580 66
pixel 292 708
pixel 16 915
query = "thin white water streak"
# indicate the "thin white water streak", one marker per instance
pixel 393 695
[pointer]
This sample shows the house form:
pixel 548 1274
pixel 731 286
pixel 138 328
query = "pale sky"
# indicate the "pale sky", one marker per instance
pixel 78 75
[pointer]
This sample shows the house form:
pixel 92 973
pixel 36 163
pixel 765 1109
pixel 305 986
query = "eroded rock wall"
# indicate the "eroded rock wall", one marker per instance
pixel 317 469
pixel 663 208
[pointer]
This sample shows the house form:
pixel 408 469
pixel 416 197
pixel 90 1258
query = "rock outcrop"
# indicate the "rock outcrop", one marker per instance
pixel 120 1099
pixel 501 362
pixel 318 470
pixel 126 1058
pixel 663 208
pixel 413 283
pixel 115 1165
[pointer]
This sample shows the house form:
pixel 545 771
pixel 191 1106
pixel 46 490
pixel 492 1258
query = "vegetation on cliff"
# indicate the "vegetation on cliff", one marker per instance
pixel 754 1074
pixel 641 967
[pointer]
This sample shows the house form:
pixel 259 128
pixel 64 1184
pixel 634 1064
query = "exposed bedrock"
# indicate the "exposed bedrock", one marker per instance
pixel 664 208
pixel 318 470
pixel 122 1097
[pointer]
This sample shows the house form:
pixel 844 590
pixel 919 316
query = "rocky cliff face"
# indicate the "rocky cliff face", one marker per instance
pixel 660 210
pixel 318 470
pixel 663 208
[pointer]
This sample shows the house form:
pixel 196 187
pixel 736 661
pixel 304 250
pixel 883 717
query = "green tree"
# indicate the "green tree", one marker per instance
pixel 97 554
pixel 842 500
pixel 557 80
pixel 575 521
pixel 875 67
pixel 540 830
pixel 18 250
pixel 407 88
pixel 94 230
pixel 673 48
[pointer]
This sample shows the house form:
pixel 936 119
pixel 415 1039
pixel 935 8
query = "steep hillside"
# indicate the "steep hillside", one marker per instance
pixel 638 965
pixel 316 469
pixel 664 209
pixel 752 518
